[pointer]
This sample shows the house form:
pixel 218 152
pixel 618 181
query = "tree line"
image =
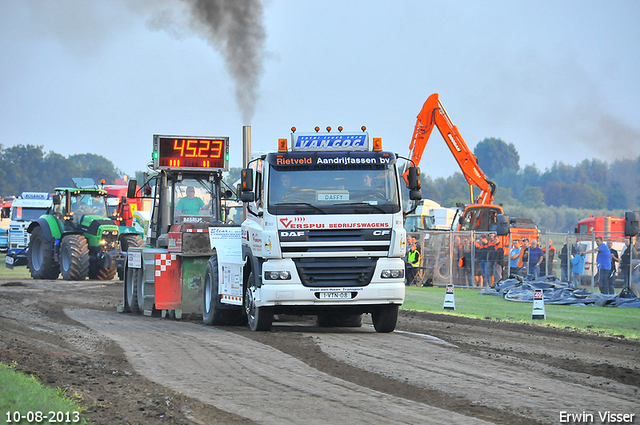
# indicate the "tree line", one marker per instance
pixel 27 168
pixel 556 197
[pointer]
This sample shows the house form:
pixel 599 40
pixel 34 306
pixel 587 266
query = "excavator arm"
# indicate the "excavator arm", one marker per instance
pixel 433 113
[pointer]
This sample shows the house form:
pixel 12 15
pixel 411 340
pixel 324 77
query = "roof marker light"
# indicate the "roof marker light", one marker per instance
pixel 282 145
pixel 377 144
pixel 363 128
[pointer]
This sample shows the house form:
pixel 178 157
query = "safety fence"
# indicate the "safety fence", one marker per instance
pixel 479 259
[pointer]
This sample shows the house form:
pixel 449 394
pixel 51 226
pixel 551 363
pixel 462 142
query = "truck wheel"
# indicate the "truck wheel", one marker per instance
pixel 74 257
pixel 40 257
pixel 99 272
pixel 385 318
pixel 340 320
pixel 259 318
pixel 131 290
pixel 213 312
pixel 127 241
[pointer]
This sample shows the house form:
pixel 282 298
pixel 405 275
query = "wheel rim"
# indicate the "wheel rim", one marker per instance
pixel 37 254
pixel 65 259
pixel 251 306
pixel 207 294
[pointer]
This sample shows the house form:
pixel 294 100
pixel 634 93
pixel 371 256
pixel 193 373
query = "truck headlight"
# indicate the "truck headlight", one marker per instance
pixel 277 275
pixel 392 274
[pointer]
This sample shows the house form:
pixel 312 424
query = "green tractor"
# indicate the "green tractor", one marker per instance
pixel 79 239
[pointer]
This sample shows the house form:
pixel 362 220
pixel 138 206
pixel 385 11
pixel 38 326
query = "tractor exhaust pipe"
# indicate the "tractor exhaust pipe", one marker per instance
pixel 246 157
pixel 246 145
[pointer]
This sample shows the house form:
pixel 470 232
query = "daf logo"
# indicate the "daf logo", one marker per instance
pixel 291 234
pixel 381 232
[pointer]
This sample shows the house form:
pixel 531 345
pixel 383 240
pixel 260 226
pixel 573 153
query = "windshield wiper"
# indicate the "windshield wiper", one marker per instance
pixel 297 204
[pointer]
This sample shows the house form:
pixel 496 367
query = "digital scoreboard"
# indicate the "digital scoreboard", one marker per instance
pixel 190 153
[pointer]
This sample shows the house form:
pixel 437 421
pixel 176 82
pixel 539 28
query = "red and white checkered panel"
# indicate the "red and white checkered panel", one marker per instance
pixel 164 262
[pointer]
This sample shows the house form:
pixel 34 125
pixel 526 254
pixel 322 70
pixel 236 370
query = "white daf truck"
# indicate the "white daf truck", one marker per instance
pixel 323 235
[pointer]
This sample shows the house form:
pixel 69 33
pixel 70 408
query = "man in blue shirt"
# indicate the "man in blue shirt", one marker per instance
pixel 535 258
pixel 603 260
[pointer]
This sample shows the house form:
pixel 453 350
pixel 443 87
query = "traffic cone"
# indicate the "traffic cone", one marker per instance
pixel 538 305
pixel 449 299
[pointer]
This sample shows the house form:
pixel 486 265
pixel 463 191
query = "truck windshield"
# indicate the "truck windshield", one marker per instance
pixel 27 214
pixel 341 191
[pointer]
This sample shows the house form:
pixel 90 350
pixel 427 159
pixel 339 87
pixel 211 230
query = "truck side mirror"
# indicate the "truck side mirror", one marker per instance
pixel 131 188
pixel 414 179
pixel 246 185
pixel 502 222
pixel 56 199
pixel 631 223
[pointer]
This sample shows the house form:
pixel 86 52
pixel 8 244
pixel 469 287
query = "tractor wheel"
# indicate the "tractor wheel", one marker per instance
pixel 40 258
pixel 385 318
pixel 74 257
pixel 213 312
pixel 127 241
pixel 99 272
pixel 259 318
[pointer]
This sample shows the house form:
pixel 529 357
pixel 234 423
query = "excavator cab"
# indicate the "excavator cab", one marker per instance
pixel 480 218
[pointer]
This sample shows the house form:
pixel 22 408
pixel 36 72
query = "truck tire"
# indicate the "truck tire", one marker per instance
pixel 339 320
pixel 40 256
pixel 258 318
pixel 213 312
pixel 128 241
pixel 385 318
pixel 74 257
pixel 131 290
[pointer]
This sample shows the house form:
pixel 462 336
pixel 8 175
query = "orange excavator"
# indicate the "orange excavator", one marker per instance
pixel 481 214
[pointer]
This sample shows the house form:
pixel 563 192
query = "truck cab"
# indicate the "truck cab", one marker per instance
pixel 324 232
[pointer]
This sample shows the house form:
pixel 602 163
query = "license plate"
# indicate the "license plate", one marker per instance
pixel 335 295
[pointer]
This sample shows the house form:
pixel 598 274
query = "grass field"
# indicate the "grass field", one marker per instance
pixel 18 272
pixel 606 320
pixel 24 400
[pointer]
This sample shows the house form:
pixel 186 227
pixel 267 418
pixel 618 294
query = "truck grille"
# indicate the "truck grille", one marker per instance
pixel 330 243
pixel 335 272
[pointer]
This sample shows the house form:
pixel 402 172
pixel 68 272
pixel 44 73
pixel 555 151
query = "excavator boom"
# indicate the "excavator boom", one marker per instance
pixel 434 114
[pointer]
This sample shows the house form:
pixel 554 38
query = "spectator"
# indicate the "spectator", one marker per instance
pixel 625 261
pixel 514 255
pixel 565 255
pixel 535 258
pixel 551 253
pixel 498 258
pixel 523 262
pixel 614 269
pixel 603 260
pixel 483 257
pixel 577 263
pixel 413 260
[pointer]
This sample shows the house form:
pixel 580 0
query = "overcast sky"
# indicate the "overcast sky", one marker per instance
pixel 558 79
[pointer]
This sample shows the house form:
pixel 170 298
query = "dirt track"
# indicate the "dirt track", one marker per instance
pixel 434 369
